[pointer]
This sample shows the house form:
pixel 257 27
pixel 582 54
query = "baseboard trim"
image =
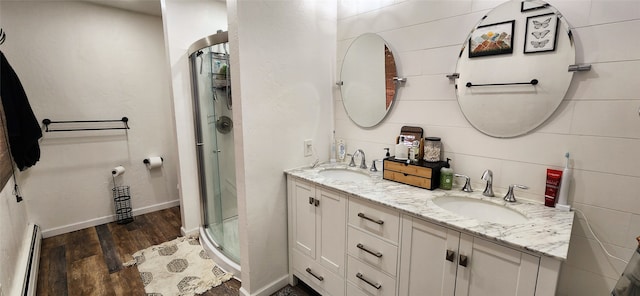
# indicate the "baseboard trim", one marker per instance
pixel 268 289
pixel 33 262
pixel 191 232
pixel 106 219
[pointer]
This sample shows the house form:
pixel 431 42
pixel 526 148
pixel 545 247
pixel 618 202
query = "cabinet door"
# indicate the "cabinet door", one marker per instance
pixel 304 224
pixel 332 216
pixel 494 270
pixel 428 258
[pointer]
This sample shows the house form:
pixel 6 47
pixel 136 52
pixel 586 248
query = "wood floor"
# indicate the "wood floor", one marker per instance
pixel 89 261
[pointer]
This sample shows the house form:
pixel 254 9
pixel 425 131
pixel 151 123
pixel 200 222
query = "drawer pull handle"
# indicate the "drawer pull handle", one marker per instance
pixel 372 284
pixel 311 199
pixel 319 277
pixel 362 247
pixel 363 216
pixel 464 261
pixel 450 255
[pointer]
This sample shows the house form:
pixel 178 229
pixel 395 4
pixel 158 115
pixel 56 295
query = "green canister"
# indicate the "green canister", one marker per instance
pixel 446 176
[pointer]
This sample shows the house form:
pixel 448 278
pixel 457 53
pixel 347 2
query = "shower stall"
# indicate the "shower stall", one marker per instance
pixel 214 144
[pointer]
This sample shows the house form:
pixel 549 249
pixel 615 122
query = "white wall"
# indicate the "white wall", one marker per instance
pixel 282 65
pixel 597 122
pixel 80 61
pixel 186 22
pixel 13 230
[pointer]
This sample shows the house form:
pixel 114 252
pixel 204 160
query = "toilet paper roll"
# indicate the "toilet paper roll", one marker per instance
pixel 117 171
pixel 153 162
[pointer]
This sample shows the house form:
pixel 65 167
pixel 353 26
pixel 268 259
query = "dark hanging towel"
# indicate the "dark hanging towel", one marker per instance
pixel 22 126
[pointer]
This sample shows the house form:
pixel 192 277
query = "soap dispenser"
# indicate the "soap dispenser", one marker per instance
pixel 446 176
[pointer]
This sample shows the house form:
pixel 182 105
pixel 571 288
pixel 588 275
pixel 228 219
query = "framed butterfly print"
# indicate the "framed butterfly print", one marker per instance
pixel 541 32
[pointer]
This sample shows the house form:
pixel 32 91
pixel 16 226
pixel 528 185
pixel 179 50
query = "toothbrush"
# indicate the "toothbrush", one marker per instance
pixel 332 156
pixel 564 186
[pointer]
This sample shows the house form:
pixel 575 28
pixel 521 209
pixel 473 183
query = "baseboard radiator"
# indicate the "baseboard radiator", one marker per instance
pixel 33 260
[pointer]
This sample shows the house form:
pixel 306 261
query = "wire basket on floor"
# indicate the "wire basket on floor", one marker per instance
pixel 122 204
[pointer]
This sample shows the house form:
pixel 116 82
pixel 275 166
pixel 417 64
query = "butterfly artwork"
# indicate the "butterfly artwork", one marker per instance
pixel 541 25
pixel 541 33
pixel 539 44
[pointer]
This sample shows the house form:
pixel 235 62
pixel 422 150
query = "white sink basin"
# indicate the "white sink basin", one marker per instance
pixel 480 209
pixel 345 175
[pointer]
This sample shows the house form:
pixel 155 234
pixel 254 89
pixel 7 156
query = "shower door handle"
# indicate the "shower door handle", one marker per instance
pixel 199 144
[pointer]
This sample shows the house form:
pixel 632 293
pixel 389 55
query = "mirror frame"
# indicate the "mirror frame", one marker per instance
pixel 364 89
pixel 501 105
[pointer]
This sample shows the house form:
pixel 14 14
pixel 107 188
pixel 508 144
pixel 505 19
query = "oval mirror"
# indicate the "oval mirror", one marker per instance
pixel 513 68
pixel 367 80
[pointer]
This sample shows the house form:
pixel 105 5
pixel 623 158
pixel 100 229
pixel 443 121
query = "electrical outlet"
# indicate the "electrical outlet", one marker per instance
pixel 308 147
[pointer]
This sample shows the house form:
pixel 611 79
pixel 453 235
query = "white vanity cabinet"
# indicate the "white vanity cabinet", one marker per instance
pixel 343 244
pixel 317 232
pixel 436 260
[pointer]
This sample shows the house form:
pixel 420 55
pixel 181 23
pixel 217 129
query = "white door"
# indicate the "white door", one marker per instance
pixel 491 269
pixel 332 216
pixel 428 258
pixel 304 224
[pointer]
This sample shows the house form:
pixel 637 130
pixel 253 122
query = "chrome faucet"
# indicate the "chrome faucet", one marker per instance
pixel 363 164
pixel 488 190
pixel 510 197
pixel 467 183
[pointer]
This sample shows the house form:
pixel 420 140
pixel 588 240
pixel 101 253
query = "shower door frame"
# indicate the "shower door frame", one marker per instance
pixel 219 38
pixel 200 153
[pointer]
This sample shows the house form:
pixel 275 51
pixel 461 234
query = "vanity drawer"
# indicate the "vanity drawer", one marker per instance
pixel 408 169
pixel 306 268
pixel 352 290
pixel 372 250
pixel 369 279
pixel 375 219
pixel 408 179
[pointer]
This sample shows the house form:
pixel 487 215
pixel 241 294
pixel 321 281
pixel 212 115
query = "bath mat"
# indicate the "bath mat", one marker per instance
pixel 178 267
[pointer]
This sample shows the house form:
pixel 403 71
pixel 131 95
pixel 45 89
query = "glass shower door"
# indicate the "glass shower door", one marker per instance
pixel 214 143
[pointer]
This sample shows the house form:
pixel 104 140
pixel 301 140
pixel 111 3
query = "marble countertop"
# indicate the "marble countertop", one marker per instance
pixel 547 230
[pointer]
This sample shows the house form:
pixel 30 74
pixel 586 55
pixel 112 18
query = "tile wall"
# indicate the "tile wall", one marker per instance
pixel 598 122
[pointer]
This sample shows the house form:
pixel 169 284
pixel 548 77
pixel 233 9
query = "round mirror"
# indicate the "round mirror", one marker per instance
pixel 367 85
pixel 513 68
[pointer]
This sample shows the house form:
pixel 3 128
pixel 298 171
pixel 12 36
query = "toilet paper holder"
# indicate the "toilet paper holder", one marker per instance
pixel 146 160
pixel 153 162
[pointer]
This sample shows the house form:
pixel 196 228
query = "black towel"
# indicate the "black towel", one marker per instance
pixel 22 126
